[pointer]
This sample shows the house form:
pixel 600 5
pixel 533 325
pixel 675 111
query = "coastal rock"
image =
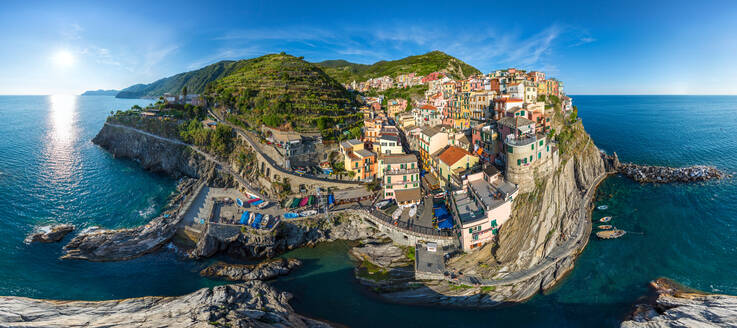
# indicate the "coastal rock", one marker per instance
pixel 676 307
pixel 381 253
pixel 50 234
pixel 382 265
pixel 151 153
pixel 250 304
pixel 266 270
pixel 125 244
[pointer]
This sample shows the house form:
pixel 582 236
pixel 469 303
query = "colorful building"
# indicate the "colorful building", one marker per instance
pixel 358 160
pixel 450 163
pixel 481 206
pixel 400 175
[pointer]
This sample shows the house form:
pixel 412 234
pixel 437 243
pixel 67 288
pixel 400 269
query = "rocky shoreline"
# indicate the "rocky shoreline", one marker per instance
pixel 248 304
pixel 663 174
pixel 266 270
pixel 125 244
pixel 49 234
pixel 677 306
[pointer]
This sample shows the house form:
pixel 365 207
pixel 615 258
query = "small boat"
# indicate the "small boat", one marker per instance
pixel 303 202
pixel 412 211
pixel 265 221
pixel 382 203
pixel 610 234
pixel 307 213
pixel 397 213
pixel 239 202
pixel 602 207
pixel 250 218
pixel 263 205
pixel 605 219
pixel 605 227
pixel 290 215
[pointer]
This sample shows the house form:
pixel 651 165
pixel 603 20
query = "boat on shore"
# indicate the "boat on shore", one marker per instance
pixel 605 227
pixel 610 234
pixel 602 207
pixel 605 219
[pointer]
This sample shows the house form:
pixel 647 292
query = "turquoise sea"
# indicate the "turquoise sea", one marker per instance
pixel 51 172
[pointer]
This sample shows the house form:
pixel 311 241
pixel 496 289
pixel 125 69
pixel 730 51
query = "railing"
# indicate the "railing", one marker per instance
pixel 406 225
pixel 402 171
pixel 519 141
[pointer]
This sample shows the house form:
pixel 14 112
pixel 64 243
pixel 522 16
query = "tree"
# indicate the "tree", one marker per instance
pixel 355 132
pixel 184 93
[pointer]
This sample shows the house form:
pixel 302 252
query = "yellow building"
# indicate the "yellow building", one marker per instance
pixel 450 163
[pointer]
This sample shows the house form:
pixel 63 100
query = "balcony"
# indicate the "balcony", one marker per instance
pixel 401 171
pixel 518 141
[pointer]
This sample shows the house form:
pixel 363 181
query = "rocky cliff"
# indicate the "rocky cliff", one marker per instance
pixel 152 153
pixel 676 306
pixel 250 304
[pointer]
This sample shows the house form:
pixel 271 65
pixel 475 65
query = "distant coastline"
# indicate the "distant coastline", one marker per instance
pixel 101 92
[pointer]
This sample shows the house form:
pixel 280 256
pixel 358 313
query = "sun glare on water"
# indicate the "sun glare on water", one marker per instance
pixel 63 59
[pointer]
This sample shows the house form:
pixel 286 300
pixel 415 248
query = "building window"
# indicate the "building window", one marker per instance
pixel 530 158
pixel 493 223
pixel 539 155
pixel 532 146
pixel 519 162
pixel 541 142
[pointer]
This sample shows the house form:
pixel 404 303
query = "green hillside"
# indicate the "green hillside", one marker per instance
pixel 195 81
pixel 280 88
pixel 434 61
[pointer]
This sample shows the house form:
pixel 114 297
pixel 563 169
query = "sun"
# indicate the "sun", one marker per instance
pixel 63 59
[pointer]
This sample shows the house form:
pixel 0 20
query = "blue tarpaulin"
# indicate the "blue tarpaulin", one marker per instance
pixel 331 199
pixel 257 221
pixel 244 217
pixel 290 215
pixel 441 212
pixel 445 224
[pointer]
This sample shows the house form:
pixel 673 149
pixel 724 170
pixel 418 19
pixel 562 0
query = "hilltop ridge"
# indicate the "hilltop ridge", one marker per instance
pixel 434 61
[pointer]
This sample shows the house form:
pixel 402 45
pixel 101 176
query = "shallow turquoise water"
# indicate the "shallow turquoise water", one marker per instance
pixel 50 172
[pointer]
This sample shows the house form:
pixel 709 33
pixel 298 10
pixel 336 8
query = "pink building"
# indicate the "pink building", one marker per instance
pixel 483 204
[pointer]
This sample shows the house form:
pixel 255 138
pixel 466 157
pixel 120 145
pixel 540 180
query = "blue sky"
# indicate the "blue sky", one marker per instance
pixel 619 47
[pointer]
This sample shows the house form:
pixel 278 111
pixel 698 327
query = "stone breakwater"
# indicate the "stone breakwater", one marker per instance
pixel 676 306
pixel 663 174
pixel 249 304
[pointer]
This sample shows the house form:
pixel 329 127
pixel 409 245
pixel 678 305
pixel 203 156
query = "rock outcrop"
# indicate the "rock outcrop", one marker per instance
pixel 266 270
pixel 49 234
pixel 383 266
pixel 289 235
pixel 151 153
pixel 676 307
pixel 663 174
pixel 124 244
pixel 250 304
